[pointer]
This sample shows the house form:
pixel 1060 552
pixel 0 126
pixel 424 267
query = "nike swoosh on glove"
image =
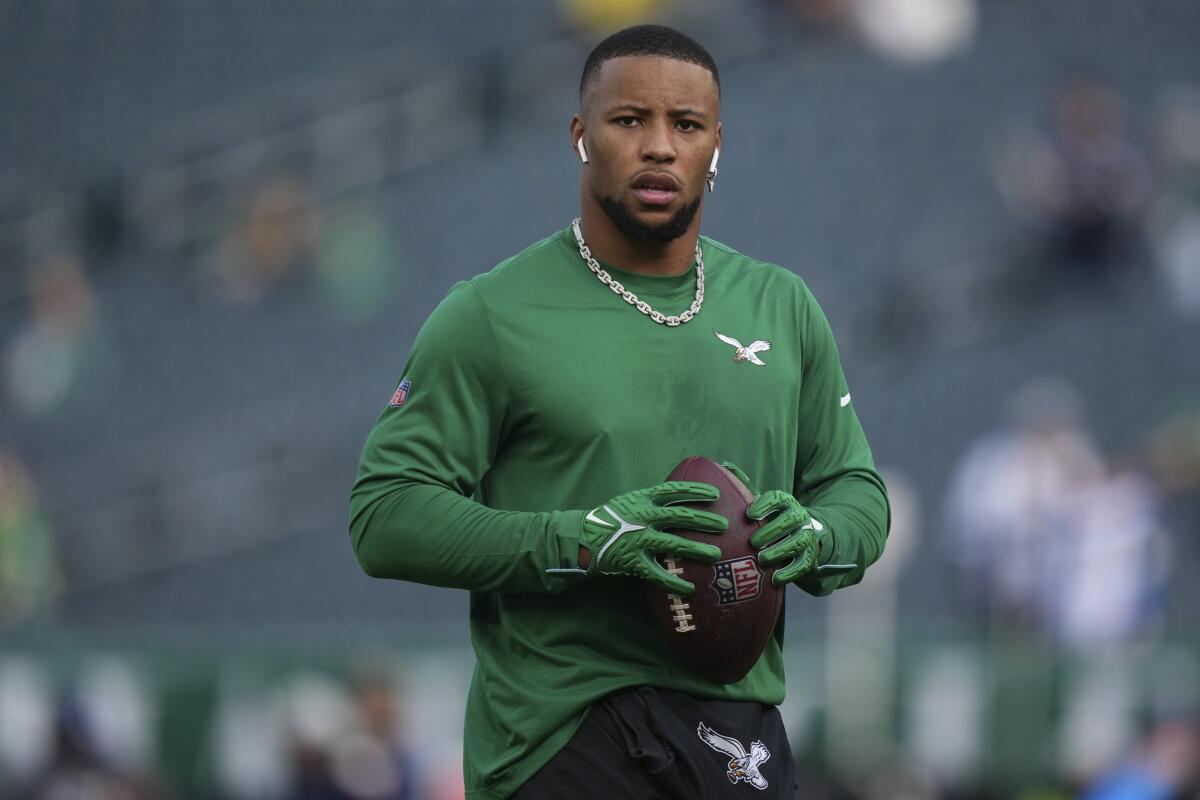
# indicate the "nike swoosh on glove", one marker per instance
pixel 624 534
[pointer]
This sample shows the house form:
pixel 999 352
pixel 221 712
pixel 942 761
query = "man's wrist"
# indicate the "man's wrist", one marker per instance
pixel 826 548
pixel 570 546
pixel 828 562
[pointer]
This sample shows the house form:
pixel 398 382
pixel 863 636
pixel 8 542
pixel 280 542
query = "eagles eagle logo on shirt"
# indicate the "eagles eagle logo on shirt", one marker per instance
pixel 748 352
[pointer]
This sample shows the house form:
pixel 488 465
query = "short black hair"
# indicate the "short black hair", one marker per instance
pixel 647 40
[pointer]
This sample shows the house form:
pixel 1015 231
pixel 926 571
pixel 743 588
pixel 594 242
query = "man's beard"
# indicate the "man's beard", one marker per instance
pixel 639 231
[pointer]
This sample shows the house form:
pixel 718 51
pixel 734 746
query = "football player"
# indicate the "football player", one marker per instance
pixel 543 402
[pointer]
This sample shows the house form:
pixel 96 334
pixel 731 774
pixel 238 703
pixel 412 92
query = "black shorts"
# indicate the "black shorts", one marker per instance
pixel 656 744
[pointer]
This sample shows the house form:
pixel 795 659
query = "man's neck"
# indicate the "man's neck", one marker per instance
pixel 610 245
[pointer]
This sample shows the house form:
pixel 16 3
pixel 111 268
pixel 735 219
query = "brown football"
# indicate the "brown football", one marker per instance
pixel 721 629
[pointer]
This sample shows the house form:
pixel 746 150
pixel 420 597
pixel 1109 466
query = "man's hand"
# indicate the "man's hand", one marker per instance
pixel 793 536
pixel 623 534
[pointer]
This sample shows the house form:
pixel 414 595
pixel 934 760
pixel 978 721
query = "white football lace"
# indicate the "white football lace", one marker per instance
pixel 679 609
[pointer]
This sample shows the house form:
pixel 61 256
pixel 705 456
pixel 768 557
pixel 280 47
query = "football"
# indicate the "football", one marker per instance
pixel 721 629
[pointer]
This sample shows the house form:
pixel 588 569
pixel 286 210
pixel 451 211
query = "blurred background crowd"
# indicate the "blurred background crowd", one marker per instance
pixel 222 225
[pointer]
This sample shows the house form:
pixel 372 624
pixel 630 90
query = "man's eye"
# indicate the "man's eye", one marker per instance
pixel 687 125
pixel 627 122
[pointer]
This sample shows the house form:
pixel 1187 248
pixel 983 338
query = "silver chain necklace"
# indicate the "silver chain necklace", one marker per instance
pixel 632 298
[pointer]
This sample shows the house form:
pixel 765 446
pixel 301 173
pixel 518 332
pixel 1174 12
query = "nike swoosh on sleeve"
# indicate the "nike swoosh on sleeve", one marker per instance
pixel 845 401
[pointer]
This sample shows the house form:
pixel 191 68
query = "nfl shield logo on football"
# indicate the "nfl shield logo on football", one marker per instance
pixel 736 580
pixel 401 393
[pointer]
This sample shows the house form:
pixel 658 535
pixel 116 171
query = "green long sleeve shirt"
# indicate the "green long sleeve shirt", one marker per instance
pixel 533 393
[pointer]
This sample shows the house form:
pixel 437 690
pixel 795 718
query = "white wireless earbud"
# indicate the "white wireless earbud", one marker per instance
pixel 712 170
pixel 713 166
pixel 582 153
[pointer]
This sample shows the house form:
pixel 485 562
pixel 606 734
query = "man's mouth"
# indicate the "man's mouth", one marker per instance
pixel 655 189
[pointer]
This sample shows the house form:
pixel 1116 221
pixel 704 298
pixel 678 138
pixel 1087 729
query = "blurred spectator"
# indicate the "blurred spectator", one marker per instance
pixel 120 709
pixel 1166 766
pixel 26 722
pixel 1060 543
pixel 1174 456
pixel 915 31
pixel 1175 453
pixel 1112 560
pixel 63 348
pixel 356 263
pixel 602 17
pixel 103 226
pixel 79 769
pixel 316 739
pixel 812 15
pixel 247 740
pixel 274 236
pixel 318 716
pixel 348 745
pixel 1174 223
pixel 29 575
pixel 906 31
pixel 384 753
pixel 1010 498
pixel 1084 185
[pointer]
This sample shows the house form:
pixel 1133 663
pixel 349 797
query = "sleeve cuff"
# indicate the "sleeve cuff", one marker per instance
pixel 832 567
pixel 565 569
pixel 827 548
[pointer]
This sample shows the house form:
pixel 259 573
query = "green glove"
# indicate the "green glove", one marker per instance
pixel 794 536
pixel 624 534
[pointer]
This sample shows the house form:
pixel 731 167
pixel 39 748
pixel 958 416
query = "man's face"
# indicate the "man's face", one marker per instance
pixel 650 125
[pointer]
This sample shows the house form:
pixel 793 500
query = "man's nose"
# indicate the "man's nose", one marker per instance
pixel 657 145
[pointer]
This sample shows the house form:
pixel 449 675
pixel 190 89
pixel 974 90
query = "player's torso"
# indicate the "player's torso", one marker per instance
pixel 592 380
pixel 602 400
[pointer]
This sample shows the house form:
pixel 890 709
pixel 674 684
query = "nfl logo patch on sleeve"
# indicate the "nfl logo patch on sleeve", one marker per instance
pixel 401 393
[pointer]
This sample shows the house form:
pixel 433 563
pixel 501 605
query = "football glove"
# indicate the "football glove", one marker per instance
pixel 792 538
pixel 624 534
